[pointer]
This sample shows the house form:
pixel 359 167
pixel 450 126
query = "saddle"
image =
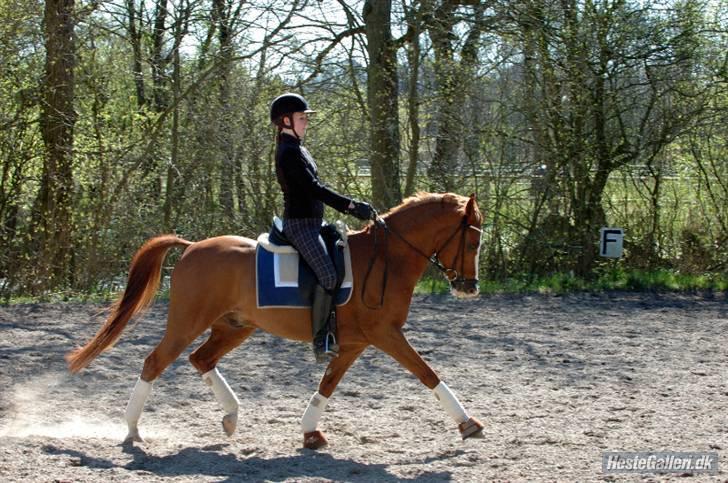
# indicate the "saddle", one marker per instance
pixel 284 279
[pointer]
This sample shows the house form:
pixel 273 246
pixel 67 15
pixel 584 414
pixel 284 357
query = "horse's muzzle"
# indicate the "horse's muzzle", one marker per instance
pixel 465 287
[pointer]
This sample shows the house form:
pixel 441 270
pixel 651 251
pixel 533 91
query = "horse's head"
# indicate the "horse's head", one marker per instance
pixel 459 253
pixel 444 229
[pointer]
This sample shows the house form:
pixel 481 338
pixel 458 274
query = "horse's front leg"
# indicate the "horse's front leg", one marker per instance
pixel 394 343
pixel 312 437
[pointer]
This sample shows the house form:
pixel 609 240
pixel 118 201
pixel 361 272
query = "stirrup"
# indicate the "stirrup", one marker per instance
pixel 322 357
pixel 330 345
pixel 326 349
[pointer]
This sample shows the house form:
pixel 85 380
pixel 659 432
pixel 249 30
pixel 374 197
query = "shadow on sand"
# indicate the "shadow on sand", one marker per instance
pixel 210 461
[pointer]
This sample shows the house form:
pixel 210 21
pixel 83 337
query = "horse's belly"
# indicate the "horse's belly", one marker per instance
pixel 287 323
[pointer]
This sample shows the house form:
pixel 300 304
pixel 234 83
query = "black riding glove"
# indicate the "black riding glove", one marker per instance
pixel 362 210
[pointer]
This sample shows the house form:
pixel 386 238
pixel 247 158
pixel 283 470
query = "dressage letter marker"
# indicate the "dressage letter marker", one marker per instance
pixel 610 242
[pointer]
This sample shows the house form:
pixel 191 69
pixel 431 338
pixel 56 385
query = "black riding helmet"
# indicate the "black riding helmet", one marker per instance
pixel 288 103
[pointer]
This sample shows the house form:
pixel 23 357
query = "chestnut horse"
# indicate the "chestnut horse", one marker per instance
pixel 213 286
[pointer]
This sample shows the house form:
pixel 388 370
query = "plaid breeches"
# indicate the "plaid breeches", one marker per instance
pixel 303 233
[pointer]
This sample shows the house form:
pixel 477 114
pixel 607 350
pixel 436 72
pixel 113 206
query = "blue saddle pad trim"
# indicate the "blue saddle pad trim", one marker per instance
pixel 270 296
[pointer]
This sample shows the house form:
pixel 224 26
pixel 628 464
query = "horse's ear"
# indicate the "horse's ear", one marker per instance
pixel 471 209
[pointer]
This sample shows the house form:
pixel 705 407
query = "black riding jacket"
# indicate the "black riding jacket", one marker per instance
pixel 304 194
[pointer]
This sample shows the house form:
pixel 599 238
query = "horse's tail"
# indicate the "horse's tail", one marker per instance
pixel 144 276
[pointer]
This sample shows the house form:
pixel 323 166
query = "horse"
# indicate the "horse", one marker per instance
pixel 213 285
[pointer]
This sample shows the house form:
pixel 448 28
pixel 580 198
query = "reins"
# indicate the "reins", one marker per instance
pixel 451 274
pixel 372 260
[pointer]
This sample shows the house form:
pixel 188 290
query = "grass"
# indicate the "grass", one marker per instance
pixel 106 296
pixel 613 279
pixel 61 297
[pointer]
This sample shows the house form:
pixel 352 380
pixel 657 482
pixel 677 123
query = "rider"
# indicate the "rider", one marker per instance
pixel 304 196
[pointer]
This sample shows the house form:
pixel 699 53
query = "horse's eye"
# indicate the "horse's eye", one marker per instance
pixel 474 246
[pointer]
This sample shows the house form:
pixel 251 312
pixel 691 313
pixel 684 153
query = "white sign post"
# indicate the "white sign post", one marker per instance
pixel 610 242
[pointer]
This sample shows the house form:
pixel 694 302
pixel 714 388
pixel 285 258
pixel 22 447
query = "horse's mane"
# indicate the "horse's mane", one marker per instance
pixel 419 199
pixel 423 198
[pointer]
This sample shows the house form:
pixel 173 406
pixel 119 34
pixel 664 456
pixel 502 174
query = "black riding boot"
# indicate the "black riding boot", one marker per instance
pixel 323 318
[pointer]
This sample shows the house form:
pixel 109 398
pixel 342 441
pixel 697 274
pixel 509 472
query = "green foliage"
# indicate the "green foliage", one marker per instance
pixel 611 279
pixel 620 279
pixel 573 117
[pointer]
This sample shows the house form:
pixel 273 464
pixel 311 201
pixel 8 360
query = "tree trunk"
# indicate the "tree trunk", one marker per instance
pixel 453 79
pixel 159 62
pixel 413 59
pixel 135 37
pixel 53 220
pixel 382 103
pixel 447 138
pixel 172 169
pixel 227 162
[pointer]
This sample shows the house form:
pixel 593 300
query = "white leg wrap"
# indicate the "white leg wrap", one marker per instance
pixel 450 403
pixel 313 412
pixel 136 402
pixel 224 395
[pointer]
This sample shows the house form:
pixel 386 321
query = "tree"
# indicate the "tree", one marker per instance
pixel 562 115
pixel 414 21
pixel 382 100
pixel 453 80
pixel 53 217
pixel 604 81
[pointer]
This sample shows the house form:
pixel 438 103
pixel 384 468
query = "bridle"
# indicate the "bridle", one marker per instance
pixel 457 281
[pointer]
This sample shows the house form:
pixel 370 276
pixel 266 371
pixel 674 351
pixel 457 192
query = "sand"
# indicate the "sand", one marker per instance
pixel 557 381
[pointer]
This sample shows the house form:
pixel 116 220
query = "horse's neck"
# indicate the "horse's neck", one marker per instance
pixel 421 228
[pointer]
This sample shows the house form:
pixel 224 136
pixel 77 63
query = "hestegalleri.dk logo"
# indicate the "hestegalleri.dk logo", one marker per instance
pixel 659 462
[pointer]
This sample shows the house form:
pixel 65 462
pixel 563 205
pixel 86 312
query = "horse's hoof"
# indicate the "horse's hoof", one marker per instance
pixel 229 423
pixel 133 437
pixel 314 440
pixel 472 428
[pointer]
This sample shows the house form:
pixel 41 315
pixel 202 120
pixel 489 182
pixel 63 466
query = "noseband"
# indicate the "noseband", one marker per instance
pixel 457 281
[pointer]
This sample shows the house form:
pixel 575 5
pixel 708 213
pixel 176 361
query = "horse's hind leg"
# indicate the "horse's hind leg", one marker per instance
pixel 226 335
pixel 170 347
pixel 184 324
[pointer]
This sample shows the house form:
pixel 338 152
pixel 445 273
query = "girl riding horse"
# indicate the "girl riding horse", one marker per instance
pixel 304 197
